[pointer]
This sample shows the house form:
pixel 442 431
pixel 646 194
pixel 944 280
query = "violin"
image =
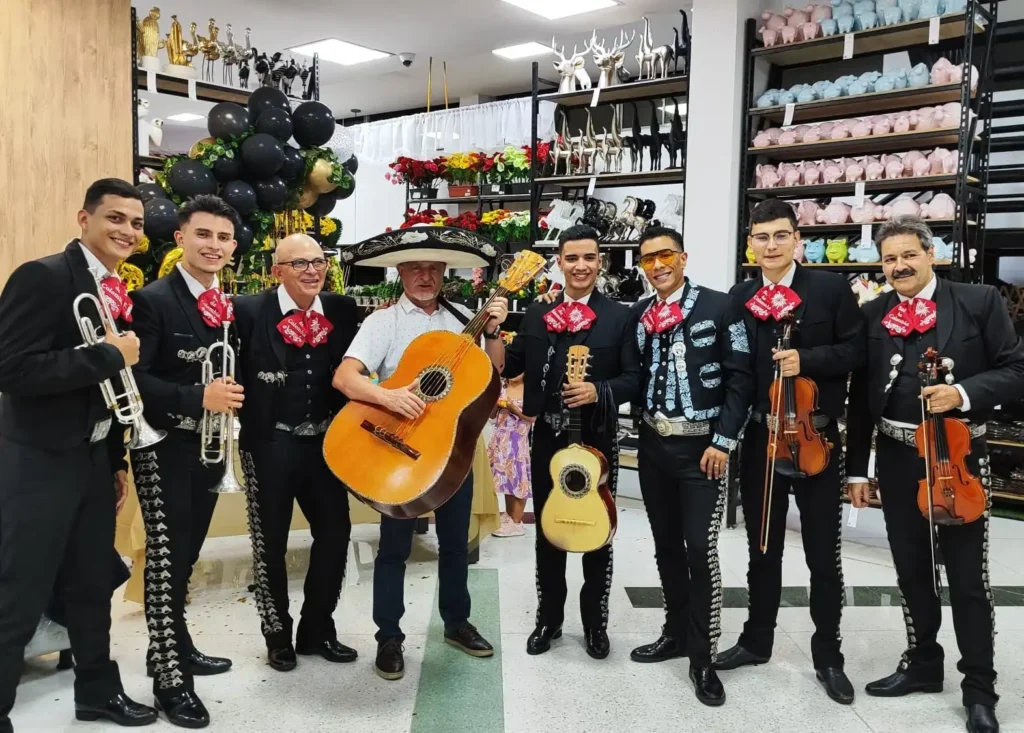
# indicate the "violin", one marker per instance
pixel 949 494
pixel 795 447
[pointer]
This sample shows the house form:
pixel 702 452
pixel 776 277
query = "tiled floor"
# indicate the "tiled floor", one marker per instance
pixel 564 690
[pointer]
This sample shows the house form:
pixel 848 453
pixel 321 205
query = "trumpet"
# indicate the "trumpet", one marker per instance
pixel 218 429
pixel 127 406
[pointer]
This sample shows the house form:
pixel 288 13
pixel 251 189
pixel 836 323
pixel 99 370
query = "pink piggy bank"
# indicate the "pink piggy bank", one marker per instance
pixel 941 71
pixel 951 162
pixel 835 213
pixel 812 135
pixel 935 159
pixel 909 160
pixel 788 33
pixel 762 140
pixel 866 213
pixel 807 213
pixel 921 167
pixel 790 175
pixel 812 175
pixel 923 119
pixel 902 207
pixel 894 169
pixel 861 128
pixel 882 126
pixel 826 129
pixel 841 130
pixel 773 21
pixel 819 12
pixel 940 207
pixel 902 123
pixel 788 137
pixel 797 17
pixel 809 30
pixel 873 169
pixel 951 114
pixel 769 37
pixel 833 172
pixel 767 176
pixel 854 172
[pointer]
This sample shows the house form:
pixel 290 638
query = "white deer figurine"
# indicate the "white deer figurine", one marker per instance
pixel 609 61
pixel 571 68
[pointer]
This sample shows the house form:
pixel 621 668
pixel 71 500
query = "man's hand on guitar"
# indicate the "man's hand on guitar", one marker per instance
pixel 579 394
pixel 789 361
pixel 497 312
pixel 403 401
pixel 859 493
pixel 713 462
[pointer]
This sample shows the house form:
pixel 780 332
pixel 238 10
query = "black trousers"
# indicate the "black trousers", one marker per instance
pixel 685 509
pixel 819 499
pixel 277 473
pixel 965 554
pixel 597 565
pixel 177 506
pixel 57 510
pixel 452 524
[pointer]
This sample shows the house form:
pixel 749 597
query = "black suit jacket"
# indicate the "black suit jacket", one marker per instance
pixel 973 329
pixel 262 358
pixel 175 340
pixel 717 325
pixel 50 395
pixel 613 357
pixel 829 338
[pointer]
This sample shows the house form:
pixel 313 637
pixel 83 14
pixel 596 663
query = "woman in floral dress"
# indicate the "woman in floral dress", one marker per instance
pixel 509 453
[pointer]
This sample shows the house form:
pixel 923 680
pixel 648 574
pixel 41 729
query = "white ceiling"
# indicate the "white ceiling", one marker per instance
pixel 461 32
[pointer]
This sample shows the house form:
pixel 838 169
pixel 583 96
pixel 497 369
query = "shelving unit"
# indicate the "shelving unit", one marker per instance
pixel 964 37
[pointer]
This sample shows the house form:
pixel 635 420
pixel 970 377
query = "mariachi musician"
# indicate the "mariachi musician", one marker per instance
pixel 829 342
pixel 178 318
pixel 421 256
pixel 696 390
pixel 969 325
pixel 292 339
pixel 578 316
pixel 63 475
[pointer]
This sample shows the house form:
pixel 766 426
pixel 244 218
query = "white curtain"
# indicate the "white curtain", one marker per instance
pixel 480 128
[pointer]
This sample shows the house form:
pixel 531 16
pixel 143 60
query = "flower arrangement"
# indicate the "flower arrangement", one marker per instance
pixel 417 173
pixel 514 164
pixel 503 225
pixel 463 169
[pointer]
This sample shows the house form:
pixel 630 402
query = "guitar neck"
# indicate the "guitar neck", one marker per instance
pixel 575 426
pixel 476 324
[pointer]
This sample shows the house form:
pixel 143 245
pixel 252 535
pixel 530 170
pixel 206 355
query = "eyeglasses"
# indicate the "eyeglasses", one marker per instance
pixel 779 237
pixel 666 257
pixel 319 264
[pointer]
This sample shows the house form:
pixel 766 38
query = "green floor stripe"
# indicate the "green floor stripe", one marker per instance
pixel 459 693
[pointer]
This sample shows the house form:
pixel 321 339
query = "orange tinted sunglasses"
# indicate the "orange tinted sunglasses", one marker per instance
pixel 667 257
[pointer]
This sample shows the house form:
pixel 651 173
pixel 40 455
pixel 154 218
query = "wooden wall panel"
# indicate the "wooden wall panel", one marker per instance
pixel 65 116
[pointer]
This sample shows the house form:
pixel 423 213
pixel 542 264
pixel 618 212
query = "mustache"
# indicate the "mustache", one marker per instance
pixel 906 272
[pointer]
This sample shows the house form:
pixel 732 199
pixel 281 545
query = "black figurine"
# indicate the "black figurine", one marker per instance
pixel 290 72
pixel 243 73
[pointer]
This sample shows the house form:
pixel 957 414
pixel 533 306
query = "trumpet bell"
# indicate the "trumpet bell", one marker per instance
pixel 144 435
pixel 228 484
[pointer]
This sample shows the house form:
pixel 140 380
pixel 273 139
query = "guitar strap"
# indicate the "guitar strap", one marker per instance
pixel 461 317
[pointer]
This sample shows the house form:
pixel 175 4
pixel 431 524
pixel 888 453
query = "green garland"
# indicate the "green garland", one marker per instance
pixel 339 176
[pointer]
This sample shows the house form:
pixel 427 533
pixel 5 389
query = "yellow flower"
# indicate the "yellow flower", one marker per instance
pixel 143 245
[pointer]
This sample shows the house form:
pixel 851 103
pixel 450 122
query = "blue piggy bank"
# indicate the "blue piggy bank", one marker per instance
pixel 814 250
pixel 863 6
pixel 886 84
pixel 956 6
pixel 919 76
pixel 807 95
pixel 911 9
pixel 845 23
pixel 864 252
pixel 892 15
pixel 841 8
pixel 832 91
pixel 829 26
pixel 930 9
pixel 942 250
pixel 786 98
pixel 900 78
pixel 860 87
pixel 821 86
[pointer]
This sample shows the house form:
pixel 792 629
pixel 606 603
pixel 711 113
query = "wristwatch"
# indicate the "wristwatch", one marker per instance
pixel 493 336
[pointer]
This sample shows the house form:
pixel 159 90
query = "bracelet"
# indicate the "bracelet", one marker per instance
pixel 493 336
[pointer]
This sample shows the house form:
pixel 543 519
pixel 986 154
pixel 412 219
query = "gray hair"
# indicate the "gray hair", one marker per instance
pixel 907 224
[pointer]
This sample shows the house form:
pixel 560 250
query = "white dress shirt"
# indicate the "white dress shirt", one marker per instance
pixel 194 286
pixel 96 268
pixel 585 300
pixel 676 295
pixel 288 303
pixel 786 280
pixel 386 334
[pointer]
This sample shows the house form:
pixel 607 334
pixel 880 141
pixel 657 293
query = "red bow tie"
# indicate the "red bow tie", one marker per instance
pixel 571 317
pixel 301 328
pixel 215 308
pixel 661 317
pixel 909 316
pixel 773 300
pixel 116 296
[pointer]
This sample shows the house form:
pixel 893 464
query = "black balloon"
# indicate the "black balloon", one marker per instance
pixel 161 221
pixel 351 165
pixel 271 193
pixel 189 178
pixel 262 155
pixel 243 240
pixel 227 119
pixel 324 204
pixel 343 193
pixel 313 124
pixel 294 166
pixel 265 98
pixel 226 169
pixel 151 191
pixel 241 196
pixel 276 122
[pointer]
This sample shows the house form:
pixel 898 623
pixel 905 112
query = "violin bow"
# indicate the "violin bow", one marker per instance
pixel 769 466
pixel 925 411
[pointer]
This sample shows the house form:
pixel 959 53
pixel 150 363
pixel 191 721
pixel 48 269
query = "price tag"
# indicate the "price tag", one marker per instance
pixel 848 46
pixel 885 599
pixel 592 186
pixel 790 109
pixel 851 521
pixel 151 82
pixel 933 31
pixel 865 234
pixel 192 90
pixel 858 193
pixel 629 259
pixel 595 97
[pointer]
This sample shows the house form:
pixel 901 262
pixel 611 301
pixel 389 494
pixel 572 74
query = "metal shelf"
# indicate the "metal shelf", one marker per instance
pixel 895 141
pixel 863 104
pixel 606 180
pixel 920 183
pixel 672 86
pixel 934 224
pixel 205 91
pixel 850 266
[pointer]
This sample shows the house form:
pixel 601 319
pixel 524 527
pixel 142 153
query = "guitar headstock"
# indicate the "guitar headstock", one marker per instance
pixel 576 363
pixel 523 269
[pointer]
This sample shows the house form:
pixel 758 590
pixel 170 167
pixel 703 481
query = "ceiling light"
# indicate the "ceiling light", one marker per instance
pixel 523 50
pixel 555 9
pixel 185 117
pixel 340 52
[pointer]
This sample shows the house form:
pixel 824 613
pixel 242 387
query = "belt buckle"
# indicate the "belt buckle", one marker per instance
pixel 662 425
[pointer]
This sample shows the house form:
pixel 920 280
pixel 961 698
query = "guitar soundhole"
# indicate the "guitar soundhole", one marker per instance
pixel 435 383
pixel 575 481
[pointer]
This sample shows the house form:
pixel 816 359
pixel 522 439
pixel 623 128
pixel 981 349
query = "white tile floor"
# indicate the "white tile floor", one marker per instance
pixel 564 690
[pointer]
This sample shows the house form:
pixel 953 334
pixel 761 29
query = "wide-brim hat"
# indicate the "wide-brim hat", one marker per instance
pixel 457 248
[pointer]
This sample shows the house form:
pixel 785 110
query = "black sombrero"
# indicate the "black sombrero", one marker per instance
pixel 457 248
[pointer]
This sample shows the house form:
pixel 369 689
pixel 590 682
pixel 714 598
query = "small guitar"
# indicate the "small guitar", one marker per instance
pixel 579 515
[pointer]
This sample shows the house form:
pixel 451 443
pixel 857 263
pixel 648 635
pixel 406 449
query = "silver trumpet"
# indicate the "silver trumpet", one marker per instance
pixel 127 406
pixel 218 428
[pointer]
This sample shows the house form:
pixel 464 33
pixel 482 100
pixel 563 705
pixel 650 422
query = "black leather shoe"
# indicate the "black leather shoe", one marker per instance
pixel 282 658
pixel 541 638
pixel 199 665
pixel 5 725
pixel 330 649
pixel 837 685
pixel 390 664
pixel 981 719
pixel 120 709
pixel 905 681
pixel 185 710
pixel 707 685
pixel 468 639
pixel 736 657
pixel 667 647
pixel 598 645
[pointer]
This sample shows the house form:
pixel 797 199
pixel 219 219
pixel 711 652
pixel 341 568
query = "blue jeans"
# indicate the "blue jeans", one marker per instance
pixel 452 523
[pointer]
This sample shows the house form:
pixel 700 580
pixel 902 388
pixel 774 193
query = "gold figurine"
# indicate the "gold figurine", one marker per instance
pixel 210 49
pixel 149 41
pixel 179 51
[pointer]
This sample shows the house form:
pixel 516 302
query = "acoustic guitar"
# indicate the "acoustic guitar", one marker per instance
pixel 406 468
pixel 579 515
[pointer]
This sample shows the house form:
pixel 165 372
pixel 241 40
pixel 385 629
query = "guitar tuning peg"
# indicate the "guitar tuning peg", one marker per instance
pixel 949 379
pixel 947 363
